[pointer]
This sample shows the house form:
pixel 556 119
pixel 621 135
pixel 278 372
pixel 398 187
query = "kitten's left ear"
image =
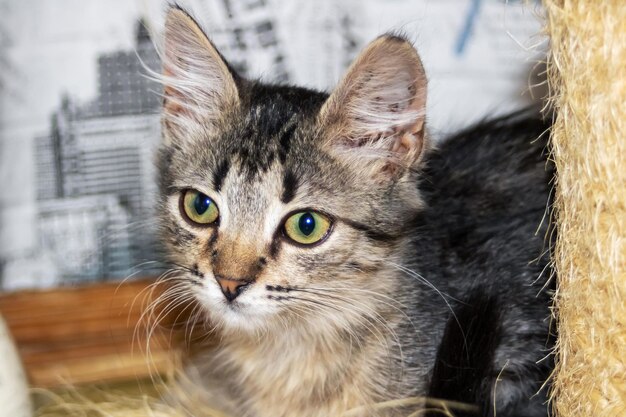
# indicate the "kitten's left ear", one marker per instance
pixel 377 111
pixel 199 85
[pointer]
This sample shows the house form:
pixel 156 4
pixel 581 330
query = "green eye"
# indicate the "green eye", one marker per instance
pixel 307 227
pixel 199 208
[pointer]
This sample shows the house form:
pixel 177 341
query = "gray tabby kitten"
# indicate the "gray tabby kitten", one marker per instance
pixel 340 260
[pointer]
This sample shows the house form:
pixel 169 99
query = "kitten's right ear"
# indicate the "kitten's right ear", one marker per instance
pixel 199 86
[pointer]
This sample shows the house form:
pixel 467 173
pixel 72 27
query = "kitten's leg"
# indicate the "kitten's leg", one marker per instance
pixel 515 384
pixel 488 359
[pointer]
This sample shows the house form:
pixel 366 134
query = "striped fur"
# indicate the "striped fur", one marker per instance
pixel 357 319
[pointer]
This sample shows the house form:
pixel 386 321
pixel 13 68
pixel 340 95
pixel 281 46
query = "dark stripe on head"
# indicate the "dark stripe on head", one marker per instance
pixel 290 185
pixel 284 143
pixel 371 233
pixel 220 173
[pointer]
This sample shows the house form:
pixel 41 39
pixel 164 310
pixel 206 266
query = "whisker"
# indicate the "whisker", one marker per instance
pixel 375 330
pixel 443 296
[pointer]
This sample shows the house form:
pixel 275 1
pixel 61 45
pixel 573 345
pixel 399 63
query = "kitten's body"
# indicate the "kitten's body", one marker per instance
pixel 488 207
pixel 478 248
pixel 425 247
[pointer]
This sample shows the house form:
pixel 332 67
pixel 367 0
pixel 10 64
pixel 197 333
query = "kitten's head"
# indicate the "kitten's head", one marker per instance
pixel 285 204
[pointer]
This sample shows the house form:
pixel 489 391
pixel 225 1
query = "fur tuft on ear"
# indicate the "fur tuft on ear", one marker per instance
pixel 198 84
pixel 378 109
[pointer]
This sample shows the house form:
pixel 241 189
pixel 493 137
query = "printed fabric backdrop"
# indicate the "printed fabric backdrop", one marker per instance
pixel 79 117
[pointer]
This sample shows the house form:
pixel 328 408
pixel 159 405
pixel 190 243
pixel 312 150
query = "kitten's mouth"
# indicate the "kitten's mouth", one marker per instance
pixel 238 315
pixel 244 310
pixel 234 306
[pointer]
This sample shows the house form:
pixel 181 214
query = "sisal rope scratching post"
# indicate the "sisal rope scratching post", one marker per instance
pixel 587 74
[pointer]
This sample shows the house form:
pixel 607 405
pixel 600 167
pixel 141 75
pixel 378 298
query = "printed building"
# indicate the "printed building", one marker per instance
pixel 87 238
pixel 245 32
pixel 95 175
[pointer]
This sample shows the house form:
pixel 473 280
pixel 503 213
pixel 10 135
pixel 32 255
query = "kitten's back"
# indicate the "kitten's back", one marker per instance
pixel 487 191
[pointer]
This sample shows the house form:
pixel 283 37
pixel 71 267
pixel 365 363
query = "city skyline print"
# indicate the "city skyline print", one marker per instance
pixel 95 180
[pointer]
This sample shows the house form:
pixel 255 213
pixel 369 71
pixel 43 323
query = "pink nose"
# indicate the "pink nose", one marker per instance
pixel 231 287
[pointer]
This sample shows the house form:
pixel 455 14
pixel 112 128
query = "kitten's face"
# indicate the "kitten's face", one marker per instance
pixel 283 204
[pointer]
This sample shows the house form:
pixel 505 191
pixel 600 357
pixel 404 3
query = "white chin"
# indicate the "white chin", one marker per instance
pixel 250 312
pixel 239 315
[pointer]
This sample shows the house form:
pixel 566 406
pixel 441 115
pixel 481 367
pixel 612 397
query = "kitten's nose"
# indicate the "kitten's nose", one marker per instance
pixel 231 287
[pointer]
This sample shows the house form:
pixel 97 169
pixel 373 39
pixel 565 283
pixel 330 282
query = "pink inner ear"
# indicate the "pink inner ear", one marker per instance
pixel 375 116
pixel 172 98
pixel 172 106
pixel 409 142
pixel 384 92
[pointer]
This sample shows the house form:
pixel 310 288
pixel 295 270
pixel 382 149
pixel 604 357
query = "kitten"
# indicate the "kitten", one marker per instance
pixel 341 260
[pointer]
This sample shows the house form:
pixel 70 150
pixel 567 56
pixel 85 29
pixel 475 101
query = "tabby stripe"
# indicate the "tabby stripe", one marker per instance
pixel 285 143
pixel 211 242
pixel 274 248
pixel 219 174
pixel 372 234
pixel 290 185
